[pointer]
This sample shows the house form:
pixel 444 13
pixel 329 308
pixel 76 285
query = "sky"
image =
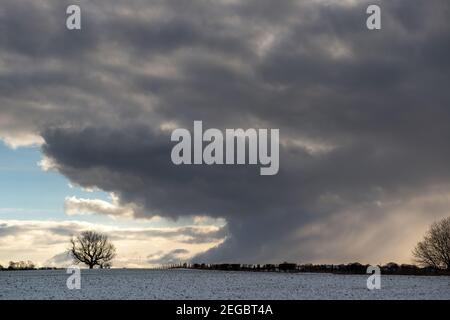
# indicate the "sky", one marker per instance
pixel 86 117
pixel 41 210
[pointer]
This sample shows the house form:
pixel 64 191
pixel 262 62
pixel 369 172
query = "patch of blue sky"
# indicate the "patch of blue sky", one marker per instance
pixel 29 193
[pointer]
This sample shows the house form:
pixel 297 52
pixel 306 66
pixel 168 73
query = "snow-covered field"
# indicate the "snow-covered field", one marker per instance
pixel 196 284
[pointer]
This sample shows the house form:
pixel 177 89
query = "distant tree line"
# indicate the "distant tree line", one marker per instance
pixel 22 265
pixel 350 268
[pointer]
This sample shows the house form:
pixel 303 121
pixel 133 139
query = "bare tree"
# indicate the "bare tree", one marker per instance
pixel 92 248
pixel 434 249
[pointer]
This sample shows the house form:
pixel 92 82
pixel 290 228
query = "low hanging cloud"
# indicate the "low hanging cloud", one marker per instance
pixel 363 116
pixel 60 259
pixel 81 206
pixel 172 257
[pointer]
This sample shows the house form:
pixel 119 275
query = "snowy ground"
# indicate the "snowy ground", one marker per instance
pixel 196 284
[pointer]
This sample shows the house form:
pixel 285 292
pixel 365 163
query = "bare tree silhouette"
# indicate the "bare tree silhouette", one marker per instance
pixel 93 249
pixel 434 249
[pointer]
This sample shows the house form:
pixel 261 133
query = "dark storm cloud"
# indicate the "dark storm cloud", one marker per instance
pixel 363 115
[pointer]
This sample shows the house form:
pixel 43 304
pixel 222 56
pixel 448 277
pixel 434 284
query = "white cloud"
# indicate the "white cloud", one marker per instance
pixel 82 206
pixel 22 139
pixel 47 164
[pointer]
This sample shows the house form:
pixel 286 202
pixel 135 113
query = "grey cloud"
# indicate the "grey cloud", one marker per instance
pixel 61 259
pixel 174 256
pixel 188 235
pixel 379 98
pixel 7 230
